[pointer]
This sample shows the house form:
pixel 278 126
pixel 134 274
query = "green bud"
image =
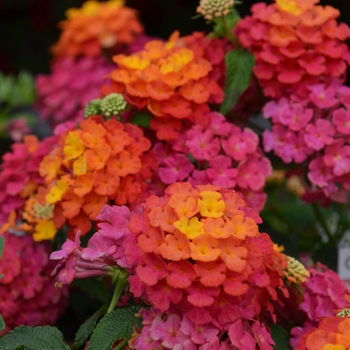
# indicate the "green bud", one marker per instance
pixel 113 104
pixel 93 107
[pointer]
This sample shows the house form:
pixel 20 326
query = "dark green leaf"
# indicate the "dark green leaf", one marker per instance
pixel 239 66
pixel 141 119
pixel 281 337
pixel 94 288
pixel 118 324
pixel 29 338
pixel 219 30
pixel 87 327
pixel 2 243
pixel 2 323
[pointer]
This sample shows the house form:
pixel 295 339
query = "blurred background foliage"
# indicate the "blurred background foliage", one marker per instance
pixel 29 27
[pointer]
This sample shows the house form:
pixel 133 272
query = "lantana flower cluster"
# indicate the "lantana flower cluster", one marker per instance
pixel 95 27
pixel 333 333
pixel 63 95
pixel 197 253
pixel 98 163
pixel 222 154
pixel 27 292
pixel 20 180
pixel 315 129
pixel 296 44
pixel 104 252
pixel 172 80
pixel 171 330
pixel 323 294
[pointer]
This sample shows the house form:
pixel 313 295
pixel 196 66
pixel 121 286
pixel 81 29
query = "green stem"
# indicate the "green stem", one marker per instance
pixel 121 282
pixel 229 33
pixel 121 345
pixel 322 221
pixel 286 221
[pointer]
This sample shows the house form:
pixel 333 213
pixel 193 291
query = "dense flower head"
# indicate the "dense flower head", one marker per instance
pixel 63 94
pixel 103 253
pixel 296 273
pixel 20 180
pixel 220 153
pixel 27 292
pixel 333 333
pixel 95 163
pixel 198 250
pixel 173 330
pixel 315 129
pixel 296 44
pixel 174 80
pixel 214 8
pixel 323 294
pixel 97 26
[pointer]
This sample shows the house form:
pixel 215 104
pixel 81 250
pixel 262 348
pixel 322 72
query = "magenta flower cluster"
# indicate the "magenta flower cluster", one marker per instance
pixel 172 330
pixel 63 95
pixel 19 171
pixel 323 294
pixel 27 292
pixel 315 129
pixel 104 250
pixel 221 154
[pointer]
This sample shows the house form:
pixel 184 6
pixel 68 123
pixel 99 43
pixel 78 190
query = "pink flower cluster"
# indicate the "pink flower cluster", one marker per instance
pixel 172 330
pixel 19 173
pixel 16 128
pixel 104 250
pixel 27 293
pixel 324 294
pixel 63 95
pixel 221 154
pixel 292 50
pixel 315 129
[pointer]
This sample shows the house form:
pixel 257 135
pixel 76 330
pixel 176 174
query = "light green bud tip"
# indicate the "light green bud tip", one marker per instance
pixel 113 104
pixel 344 313
pixel 93 107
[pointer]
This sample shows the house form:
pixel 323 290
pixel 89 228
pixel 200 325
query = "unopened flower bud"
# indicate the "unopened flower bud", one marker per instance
pixel 93 107
pixel 296 272
pixel 113 104
pixel 214 8
pixel 344 313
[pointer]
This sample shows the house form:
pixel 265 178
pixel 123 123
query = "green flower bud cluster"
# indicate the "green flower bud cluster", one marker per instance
pixel 110 105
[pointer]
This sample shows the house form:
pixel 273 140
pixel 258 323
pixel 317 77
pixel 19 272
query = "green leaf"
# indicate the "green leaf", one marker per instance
pixel 94 288
pixel 239 67
pixel 2 243
pixel 87 327
pixel 29 338
pixel 2 324
pixel 141 119
pixel 280 336
pixel 118 324
pixel 219 30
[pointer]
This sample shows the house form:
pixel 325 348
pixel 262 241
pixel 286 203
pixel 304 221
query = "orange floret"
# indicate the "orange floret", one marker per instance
pixel 96 163
pixel 184 245
pixel 97 26
pixel 169 79
pixel 333 333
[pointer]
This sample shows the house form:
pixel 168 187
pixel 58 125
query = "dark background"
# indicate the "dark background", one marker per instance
pixel 29 27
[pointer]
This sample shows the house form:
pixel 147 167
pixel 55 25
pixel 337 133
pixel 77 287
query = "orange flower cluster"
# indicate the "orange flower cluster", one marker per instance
pixel 99 162
pixel 95 26
pixel 169 79
pixel 296 43
pixel 198 248
pixel 333 333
